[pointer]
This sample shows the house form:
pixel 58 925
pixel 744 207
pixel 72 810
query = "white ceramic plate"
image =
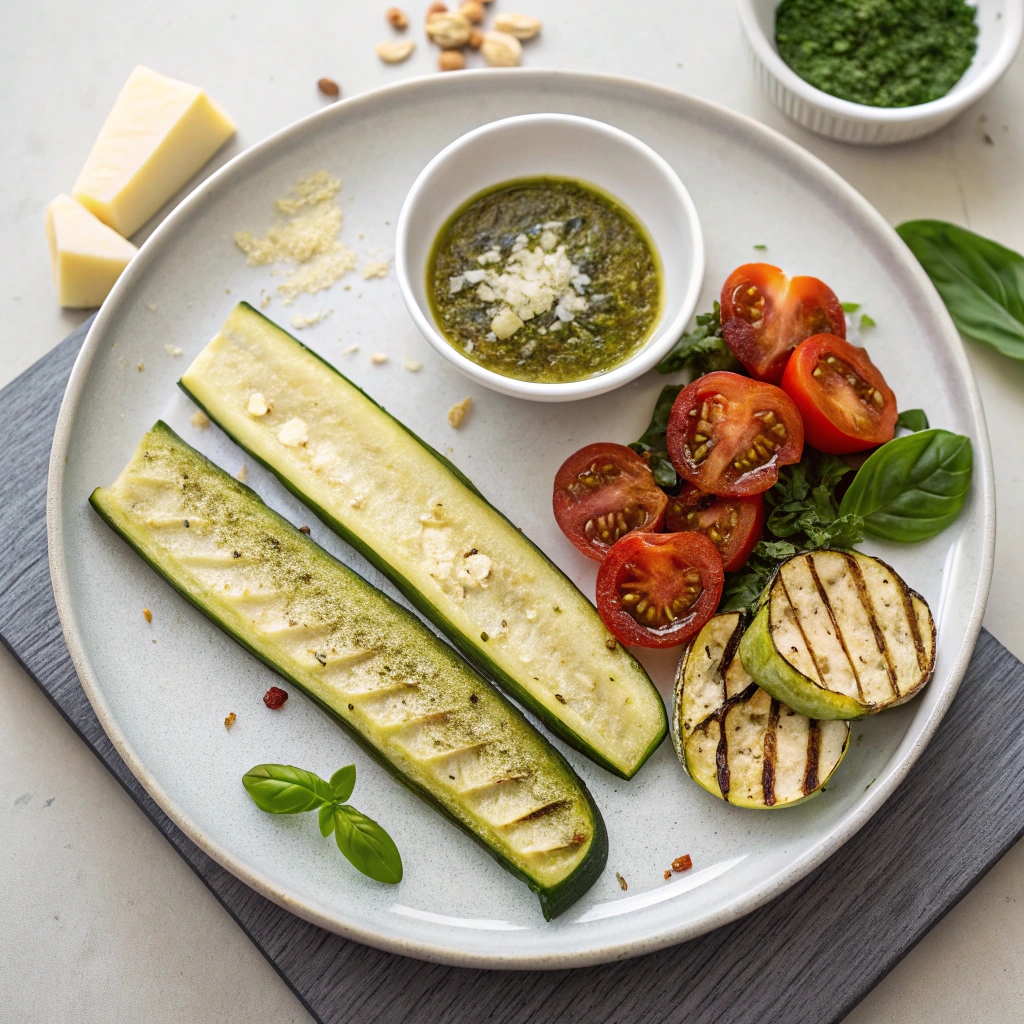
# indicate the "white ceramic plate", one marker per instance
pixel 162 690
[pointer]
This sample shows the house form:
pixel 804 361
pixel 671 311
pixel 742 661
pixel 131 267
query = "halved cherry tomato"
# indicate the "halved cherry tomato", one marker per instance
pixel 733 525
pixel 602 493
pixel 765 315
pixel 729 435
pixel 842 396
pixel 658 589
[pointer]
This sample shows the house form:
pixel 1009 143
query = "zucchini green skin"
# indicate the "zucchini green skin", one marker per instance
pixel 468 645
pixel 554 899
pixel 774 674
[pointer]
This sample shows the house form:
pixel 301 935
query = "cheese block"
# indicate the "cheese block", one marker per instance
pixel 86 255
pixel 159 134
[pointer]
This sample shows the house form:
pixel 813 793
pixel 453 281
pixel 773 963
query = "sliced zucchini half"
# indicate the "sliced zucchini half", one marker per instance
pixel 735 739
pixel 838 634
pixel 408 698
pixel 461 563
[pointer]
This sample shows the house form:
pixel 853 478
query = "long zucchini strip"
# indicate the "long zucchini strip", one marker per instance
pixel 414 705
pixel 496 596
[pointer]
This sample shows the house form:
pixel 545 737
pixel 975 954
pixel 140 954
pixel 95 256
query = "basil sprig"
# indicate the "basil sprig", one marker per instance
pixel 980 281
pixel 702 349
pixel 284 789
pixel 652 445
pixel 913 487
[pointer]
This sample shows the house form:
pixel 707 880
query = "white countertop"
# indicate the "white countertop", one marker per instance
pixel 99 917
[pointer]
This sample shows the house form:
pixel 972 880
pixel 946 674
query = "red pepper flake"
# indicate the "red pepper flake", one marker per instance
pixel 681 864
pixel 578 838
pixel 274 698
pixel 304 529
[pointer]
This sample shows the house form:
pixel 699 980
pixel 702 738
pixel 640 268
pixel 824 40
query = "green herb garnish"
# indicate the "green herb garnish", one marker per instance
pixel 882 53
pixel 913 487
pixel 866 321
pixel 912 420
pixel 283 789
pixel 703 349
pixel 804 514
pixel 760 248
pixel 980 281
pixel 652 443
pixel 850 307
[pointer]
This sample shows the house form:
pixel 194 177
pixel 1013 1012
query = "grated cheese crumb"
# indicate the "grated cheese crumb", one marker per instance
pixel 374 268
pixel 243 474
pixel 293 433
pixel 299 321
pixel 258 405
pixel 350 350
pixel 172 350
pixel 457 413
pixel 199 419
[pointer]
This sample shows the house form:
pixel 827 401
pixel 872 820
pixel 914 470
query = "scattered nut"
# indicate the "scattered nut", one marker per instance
pixel 436 8
pixel 329 87
pixel 396 18
pixel 199 419
pixel 501 50
pixel 394 51
pixel 472 11
pixel 522 26
pixel 451 60
pixel 147 614
pixel 351 350
pixel 449 31
pixel 230 720
pixel 412 365
pixel 476 38
pixel 668 875
pixel 457 413
pixel 379 358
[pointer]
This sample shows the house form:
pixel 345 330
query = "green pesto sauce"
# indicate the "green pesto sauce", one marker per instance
pixel 615 274
pixel 882 53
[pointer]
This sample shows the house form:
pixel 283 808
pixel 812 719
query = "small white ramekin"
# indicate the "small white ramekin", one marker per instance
pixel 1000 23
pixel 565 146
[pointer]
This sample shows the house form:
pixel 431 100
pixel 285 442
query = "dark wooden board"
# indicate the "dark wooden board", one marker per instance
pixel 820 947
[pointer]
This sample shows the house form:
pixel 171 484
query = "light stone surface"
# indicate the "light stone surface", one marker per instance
pixel 99 914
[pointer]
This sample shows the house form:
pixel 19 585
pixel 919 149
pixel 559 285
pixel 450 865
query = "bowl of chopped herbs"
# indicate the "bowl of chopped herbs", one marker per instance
pixel 876 72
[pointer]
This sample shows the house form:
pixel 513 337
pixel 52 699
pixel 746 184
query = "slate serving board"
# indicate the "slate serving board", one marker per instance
pixel 822 946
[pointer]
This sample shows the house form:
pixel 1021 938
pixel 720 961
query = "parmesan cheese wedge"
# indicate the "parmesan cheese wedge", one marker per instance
pixel 86 255
pixel 158 135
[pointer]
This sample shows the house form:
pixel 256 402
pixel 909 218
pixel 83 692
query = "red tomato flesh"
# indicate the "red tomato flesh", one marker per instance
pixel 729 435
pixel 658 589
pixel 766 314
pixel 604 492
pixel 842 396
pixel 733 525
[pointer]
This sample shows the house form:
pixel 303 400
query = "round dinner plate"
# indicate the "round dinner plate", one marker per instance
pixel 162 689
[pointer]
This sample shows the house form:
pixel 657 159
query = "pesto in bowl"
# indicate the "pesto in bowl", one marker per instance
pixel 544 279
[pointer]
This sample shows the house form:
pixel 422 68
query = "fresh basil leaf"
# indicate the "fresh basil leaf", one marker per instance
pixel 702 349
pixel 850 307
pixel 326 819
pixel 343 781
pixel 980 281
pixel 913 487
pixel 369 848
pixel 912 420
pixel 652 443
pixel 866 321
pixel 283 789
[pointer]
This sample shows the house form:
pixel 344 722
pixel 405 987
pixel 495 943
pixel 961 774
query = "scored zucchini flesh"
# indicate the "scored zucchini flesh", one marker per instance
pixel 735 739
pixel 838 634
pixel 412 702
pixel 422 523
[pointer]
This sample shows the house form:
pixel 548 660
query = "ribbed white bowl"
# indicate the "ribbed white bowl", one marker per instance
pixel 1000 23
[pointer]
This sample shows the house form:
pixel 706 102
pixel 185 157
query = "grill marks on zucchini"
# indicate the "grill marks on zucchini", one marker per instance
pixel 735 739
pixel 419 521
pixel 418 708
pixel 840 635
